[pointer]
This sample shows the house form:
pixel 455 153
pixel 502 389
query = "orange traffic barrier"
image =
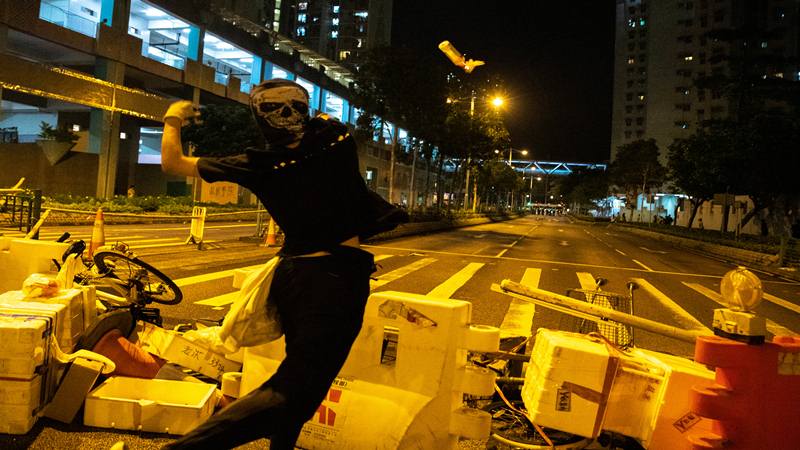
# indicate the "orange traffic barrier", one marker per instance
pixel 98 233
pixel 271 239
pixel 130 359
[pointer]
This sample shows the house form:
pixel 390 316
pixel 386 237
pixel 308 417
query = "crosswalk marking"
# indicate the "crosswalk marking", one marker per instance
pixel 452 284
pixel 181 282
pixel 772 327
pixel 382 257
pixel 586 280
pixel 219 300
pixel 681 315
pixel 401 272
pixel 645 267
pixel 781 302
pixel 519 317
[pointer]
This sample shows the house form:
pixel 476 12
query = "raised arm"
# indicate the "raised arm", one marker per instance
pixel 173 161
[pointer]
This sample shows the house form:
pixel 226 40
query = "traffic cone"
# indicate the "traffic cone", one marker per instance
pixel 271 240
pixel 98 235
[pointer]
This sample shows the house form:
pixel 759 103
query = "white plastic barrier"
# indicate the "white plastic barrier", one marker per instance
pixel 22 257
pixel 403 384
pixel 197 228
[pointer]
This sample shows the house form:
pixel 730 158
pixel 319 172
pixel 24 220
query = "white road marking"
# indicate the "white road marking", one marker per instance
pixel 181 282
pixel 502 252
pixel 382 257
pixel 219 300
pixel 681 315
pixel 653 251
pixel 170 244
pixel 645 267
pixel 586 280
pixel 772 327
pixel 454 283
pixel 519 317
pixel 401 272
pixel 781 302
pixel 623 254
pixel 563 243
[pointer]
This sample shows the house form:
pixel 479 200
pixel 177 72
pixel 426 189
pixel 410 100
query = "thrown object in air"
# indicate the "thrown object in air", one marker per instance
pixel 457 58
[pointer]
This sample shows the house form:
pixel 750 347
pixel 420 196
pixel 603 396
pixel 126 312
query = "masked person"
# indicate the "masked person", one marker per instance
pixel 309 180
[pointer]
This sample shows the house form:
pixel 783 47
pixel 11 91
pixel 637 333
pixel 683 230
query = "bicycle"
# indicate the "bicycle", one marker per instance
pixel 125 286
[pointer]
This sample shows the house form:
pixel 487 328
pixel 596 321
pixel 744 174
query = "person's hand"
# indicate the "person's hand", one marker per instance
pixel 181 112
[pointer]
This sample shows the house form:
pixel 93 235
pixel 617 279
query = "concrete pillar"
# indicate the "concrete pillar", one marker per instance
pixel 104 131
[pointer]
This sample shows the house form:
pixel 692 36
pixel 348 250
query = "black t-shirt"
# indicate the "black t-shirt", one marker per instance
pixel 314 192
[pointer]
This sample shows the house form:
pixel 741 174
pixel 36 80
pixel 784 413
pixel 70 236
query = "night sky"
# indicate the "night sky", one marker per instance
pixel 555 57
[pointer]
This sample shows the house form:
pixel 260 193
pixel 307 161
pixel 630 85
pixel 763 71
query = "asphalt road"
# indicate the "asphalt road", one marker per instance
pixel 553 253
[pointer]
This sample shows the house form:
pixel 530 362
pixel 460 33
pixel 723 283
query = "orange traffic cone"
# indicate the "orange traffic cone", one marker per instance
pixel 271 240
pixel 98 235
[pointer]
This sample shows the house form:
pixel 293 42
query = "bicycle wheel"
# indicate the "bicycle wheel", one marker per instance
pixel 511 430
pixel 150 283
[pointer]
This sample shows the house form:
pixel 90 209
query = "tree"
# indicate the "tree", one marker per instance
pixel 637 167
pixel 704 164
pixel 584 187
pixel 223 130
pixel 497 177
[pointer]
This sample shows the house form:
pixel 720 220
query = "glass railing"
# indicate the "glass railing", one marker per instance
pixel 67 19
pixel 163 56
pixel 221 78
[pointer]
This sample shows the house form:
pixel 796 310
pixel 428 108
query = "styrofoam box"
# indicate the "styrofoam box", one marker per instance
pixel 19 400
pixel 161 406
pixel 175 348
pixel 558 358
pixel 23 344
pixel 14 302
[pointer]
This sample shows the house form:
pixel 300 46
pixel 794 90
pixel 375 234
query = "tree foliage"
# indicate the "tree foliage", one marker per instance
pixel 637 167
pixel 223 130
pixel 584 187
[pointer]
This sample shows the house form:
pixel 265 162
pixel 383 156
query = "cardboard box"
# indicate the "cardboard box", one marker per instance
pixel 161 406
pixel 171 346
pixel 19 402
pixel 76 384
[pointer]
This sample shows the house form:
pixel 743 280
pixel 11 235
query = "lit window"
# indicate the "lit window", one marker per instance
pixel 76 128
pixel 631 23
pixel 362 14
pixel 631 60
pixel 779 75
pixel 344 54
pixel 360 42
pixel 301 17
pixel 688 58
pixel 641 97
pixel 301 31
pixel 763 44
pixel 336 9
pixel 641 22
pixel 302 6
pixel 335 21
pixel 334 34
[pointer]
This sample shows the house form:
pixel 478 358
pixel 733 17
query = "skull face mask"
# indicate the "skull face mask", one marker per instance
pixel 281 110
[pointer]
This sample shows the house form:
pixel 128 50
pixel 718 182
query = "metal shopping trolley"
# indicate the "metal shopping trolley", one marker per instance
pixel 617 333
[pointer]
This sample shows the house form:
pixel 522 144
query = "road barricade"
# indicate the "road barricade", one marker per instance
pixel 197 227
pixel 403 384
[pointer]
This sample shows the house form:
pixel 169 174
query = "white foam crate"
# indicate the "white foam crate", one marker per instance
pixel 19 400
pixel 161 406
pixel 560 363
pixel 23 343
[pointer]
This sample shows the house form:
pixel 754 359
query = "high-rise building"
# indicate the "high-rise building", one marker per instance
pixel 341 30
pixel 663 47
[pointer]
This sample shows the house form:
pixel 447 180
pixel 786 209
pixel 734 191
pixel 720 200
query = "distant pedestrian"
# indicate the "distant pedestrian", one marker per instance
pixel 131 191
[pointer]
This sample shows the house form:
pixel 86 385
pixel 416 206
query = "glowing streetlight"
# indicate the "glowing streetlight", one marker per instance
pixel 497 102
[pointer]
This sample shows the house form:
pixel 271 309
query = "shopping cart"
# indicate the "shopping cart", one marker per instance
pixel 617 333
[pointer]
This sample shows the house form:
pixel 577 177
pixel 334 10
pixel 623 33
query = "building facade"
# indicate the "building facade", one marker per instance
pixel 341 30
pixel 107 69
pixel 662 48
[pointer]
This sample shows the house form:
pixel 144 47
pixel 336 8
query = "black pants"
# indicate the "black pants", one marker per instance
pixel 320 303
